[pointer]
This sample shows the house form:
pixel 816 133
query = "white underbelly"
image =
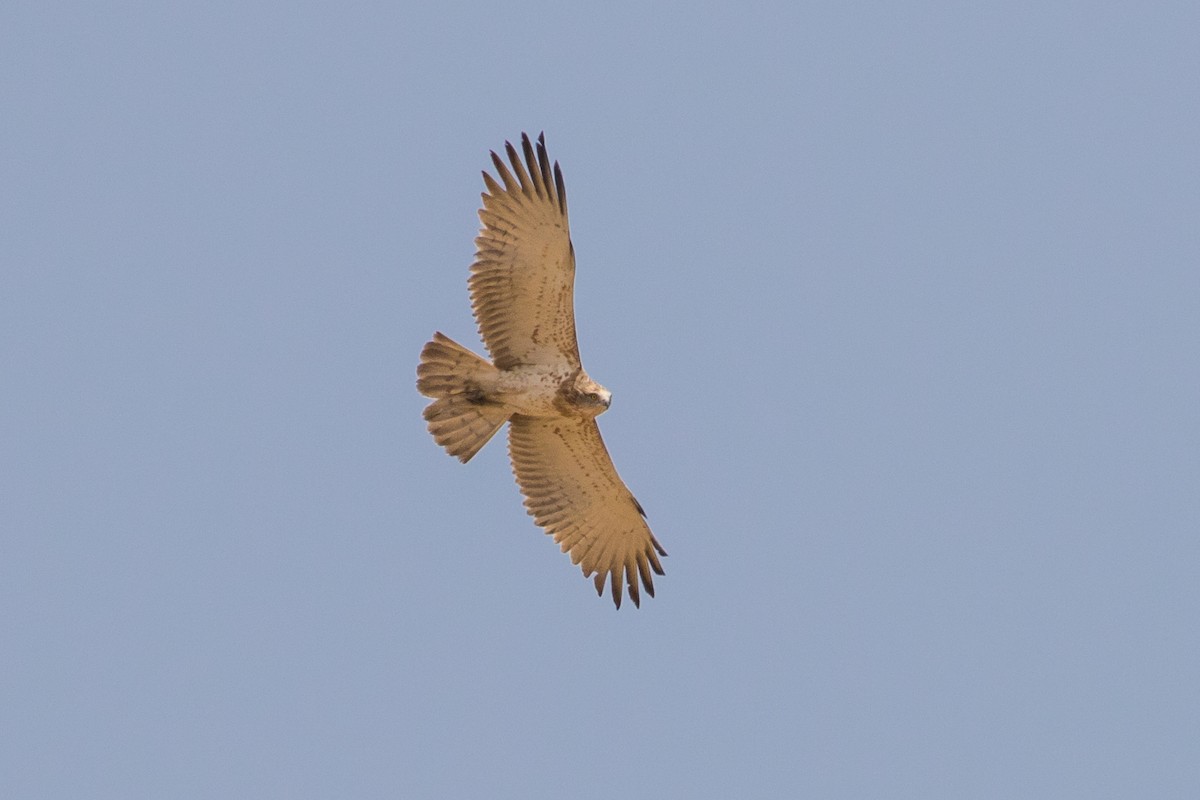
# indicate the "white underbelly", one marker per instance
pixel 530 390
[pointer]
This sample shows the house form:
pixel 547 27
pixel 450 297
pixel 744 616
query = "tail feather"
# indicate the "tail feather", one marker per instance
pixel 461 427
pixel 462 417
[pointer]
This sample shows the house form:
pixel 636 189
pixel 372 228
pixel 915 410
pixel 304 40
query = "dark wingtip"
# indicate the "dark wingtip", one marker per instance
pixel 646 574
pixel 561 187
pixel 638 506
pixel 535 171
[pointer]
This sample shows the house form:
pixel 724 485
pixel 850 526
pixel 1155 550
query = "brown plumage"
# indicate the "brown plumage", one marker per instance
pixel 521 285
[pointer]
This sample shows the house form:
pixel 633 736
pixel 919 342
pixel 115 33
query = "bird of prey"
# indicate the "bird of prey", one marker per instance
pixel 522 295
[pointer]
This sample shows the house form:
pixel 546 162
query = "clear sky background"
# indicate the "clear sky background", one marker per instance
pixel 899 304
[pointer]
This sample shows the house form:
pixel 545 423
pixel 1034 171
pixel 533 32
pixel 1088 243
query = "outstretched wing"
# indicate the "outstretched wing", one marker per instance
pixel 522 280
pixel 572 490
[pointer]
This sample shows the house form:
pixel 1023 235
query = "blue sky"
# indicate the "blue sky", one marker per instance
pixel 899 307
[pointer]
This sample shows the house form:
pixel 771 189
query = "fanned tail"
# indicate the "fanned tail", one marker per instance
pixel 462 417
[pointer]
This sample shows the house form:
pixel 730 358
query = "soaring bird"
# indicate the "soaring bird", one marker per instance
pixel 522 296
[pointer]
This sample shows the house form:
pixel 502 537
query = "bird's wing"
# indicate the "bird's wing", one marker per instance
pixel 572 490
pixel 522 280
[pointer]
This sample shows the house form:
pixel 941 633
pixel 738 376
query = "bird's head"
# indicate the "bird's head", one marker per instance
pixel 591 398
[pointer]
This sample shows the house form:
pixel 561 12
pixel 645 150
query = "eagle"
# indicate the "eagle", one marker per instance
pixel 522 295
